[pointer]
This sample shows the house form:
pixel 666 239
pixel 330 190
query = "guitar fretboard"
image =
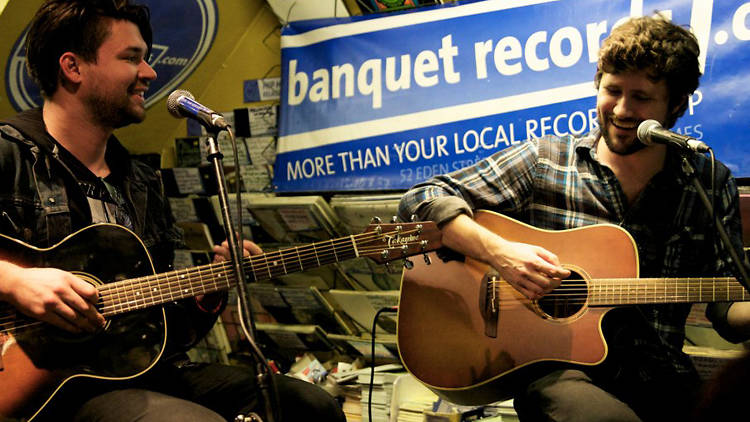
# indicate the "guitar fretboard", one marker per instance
pixel 143 292
pixel 612 292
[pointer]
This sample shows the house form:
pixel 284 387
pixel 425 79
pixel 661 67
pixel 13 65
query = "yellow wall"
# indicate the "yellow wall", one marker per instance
pixel 246 47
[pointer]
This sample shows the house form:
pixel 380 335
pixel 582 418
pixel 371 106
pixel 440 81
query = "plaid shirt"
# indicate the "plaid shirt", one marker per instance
pixel 557 183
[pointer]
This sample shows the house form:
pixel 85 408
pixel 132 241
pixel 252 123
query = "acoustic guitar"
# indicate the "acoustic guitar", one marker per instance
pixel 473 339
pixel 39 360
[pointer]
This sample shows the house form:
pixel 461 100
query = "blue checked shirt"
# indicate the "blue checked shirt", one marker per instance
pixel 557 183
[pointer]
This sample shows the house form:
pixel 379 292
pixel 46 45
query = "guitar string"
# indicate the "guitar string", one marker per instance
pixel 219 267
pixel 261 269
pixel 607 291
pixel 735 288
pixel 629 294
pixel 218 279
pixel 262 260
pixel 12 325
pixel 259 263
pixel 503 305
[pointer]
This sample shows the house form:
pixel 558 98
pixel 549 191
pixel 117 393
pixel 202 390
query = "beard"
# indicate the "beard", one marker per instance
pixel 115 111
pixel 620 148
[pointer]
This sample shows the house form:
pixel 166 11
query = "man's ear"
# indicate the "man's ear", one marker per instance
pixel 70 70
pixel 679 105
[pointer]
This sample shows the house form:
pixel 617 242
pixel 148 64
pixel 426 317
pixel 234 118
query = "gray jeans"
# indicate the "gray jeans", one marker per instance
pixel 197 392
pixel 572 395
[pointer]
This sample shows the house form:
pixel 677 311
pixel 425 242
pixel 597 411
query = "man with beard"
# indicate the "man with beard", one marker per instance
pixel 62 170
pixel 647 69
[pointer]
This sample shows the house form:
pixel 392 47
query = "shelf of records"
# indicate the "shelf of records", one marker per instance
pixel 318 301
pixel 304 228
pixel 290 321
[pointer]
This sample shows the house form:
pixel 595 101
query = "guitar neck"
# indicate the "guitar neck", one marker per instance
pixel 613 292
pixel 143 292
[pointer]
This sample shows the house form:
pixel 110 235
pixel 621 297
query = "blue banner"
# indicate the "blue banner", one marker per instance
pixel 386 102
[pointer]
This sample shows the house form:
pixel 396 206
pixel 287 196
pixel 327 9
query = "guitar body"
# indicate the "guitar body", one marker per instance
pixel 450 339
pixel 43 362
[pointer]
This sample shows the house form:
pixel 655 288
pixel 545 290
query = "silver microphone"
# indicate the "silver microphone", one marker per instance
pixel 181 103
pixel 651 132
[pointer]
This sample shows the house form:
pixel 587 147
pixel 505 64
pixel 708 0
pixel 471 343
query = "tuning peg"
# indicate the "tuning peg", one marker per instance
pixel 394 219
pixel 376 220
pixel 427 259
pixel 408 264
pixel 385 254
pixel 413 218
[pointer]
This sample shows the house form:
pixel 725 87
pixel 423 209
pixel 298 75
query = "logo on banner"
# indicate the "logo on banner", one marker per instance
pixel 181 41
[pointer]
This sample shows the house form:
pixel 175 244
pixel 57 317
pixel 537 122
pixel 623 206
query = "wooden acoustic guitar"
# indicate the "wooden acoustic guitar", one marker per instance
pixel 38 360
pixel 473 339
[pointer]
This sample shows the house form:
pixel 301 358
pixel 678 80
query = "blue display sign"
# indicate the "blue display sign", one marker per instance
pixel 183 34
pixel 386 102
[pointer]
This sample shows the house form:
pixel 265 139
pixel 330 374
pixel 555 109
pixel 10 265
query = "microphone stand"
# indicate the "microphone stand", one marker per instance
pixel 740 271
pixel 264 373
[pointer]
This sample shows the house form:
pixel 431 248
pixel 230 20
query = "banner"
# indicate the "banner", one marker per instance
pixel 383 103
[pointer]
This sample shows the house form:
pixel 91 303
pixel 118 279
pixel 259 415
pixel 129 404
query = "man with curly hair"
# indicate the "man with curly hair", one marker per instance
pixel 647 69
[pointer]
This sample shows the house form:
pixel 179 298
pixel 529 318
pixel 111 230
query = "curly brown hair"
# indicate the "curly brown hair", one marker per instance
pixel 662 49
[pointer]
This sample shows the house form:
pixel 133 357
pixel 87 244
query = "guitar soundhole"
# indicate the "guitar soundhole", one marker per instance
pixel 567 300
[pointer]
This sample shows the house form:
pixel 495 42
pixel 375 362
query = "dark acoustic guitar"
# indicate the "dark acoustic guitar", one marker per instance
pixel 38 360
pixel 472 338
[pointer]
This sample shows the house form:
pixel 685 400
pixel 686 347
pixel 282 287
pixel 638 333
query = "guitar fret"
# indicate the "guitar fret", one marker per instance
pixel 316 254
pixel 186 291
pixel 354 246
pixel 201 285
pixel 726 286
pixel 268 267
pixel 301 267
pixel 221 274
pixel 252 269
pixel 714 293
pixel 334 250
pixel 167 287
pixel 138 295
pixel 283 264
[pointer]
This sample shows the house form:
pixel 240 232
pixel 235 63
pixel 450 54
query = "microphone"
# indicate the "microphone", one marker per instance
pixel 181 103
pixel 651 132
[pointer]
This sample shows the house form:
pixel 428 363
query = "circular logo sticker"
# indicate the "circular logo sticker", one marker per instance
pixel 183 34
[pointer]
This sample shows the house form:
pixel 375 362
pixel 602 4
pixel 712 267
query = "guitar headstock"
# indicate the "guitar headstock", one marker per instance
pixel 385 242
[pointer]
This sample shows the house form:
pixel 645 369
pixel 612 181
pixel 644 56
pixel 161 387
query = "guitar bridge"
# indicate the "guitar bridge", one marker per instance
pixel 489 302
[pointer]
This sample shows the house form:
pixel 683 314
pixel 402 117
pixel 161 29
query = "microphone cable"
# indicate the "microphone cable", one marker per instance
pixel 389 309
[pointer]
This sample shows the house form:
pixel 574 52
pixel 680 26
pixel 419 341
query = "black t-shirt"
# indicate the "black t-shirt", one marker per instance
pixel 104 194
